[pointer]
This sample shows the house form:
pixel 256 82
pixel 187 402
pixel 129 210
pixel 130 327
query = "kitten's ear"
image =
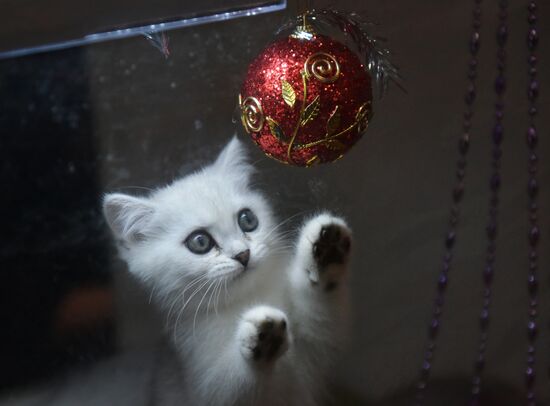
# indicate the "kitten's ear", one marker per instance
pixel 234 159
pixel 127 216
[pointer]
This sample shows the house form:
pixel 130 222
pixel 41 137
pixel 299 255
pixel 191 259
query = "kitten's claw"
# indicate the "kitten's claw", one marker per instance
pixel 263 334
pixel 325 245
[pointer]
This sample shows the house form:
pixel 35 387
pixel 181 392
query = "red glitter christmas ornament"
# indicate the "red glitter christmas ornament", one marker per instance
pixel 307 98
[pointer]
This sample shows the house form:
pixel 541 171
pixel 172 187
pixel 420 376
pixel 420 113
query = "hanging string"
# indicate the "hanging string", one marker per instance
pixel 532 191
pixel 457 194
pixel 494 182
pixel 303 6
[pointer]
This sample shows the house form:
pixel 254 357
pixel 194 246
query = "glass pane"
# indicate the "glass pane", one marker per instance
pixel 36 26
pixel 125 116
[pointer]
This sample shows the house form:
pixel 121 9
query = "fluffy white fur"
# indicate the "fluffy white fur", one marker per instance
pixel 262 334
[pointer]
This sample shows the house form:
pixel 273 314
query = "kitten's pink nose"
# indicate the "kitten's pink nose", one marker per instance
pixel 243 257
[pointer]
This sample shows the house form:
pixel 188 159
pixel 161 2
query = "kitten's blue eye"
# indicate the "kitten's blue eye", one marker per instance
pixel 247 220
pixel 199 242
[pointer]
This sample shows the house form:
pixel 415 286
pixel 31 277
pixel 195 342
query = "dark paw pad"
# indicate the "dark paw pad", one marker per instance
pixel 332 247
pixel 270 340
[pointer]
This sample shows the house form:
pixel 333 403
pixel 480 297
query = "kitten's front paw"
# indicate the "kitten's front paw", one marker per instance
pixel 325 246
pixel 263 334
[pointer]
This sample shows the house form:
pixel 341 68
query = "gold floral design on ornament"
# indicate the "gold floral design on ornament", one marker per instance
pixel 252 115
pixel 323 67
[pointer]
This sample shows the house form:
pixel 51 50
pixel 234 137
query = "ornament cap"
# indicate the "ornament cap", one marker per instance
pixel 304 30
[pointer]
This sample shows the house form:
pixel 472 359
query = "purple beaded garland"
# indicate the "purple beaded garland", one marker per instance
pixel 457 194
pixel 494 182
pixel 532 191
pixel 494 186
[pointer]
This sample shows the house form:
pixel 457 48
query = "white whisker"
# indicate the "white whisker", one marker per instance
pixel 152 291
pixel 284 222
pixel 185 305
pixel 225 285
pixel 218 295
pixel 182 294
pixel 199 306
pixel 210 299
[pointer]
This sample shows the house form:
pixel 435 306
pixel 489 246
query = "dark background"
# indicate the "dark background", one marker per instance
pixel 119 116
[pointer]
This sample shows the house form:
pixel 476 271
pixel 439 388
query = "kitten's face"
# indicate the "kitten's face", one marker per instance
pixel 208 226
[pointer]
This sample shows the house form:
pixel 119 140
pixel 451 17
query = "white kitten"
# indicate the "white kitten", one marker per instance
pixel 253 322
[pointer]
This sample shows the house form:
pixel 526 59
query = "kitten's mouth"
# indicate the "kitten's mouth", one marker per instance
pixel 235 273
pixel 238 273
pixel 242 272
